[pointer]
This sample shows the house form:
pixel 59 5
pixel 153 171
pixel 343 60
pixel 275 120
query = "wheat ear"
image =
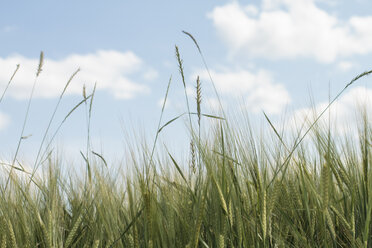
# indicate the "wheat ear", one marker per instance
pixel 13 241
pixel 73 231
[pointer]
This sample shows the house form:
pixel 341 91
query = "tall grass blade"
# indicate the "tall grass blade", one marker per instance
pixel 10 80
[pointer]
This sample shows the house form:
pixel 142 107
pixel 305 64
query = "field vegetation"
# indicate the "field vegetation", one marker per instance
pixel 238 188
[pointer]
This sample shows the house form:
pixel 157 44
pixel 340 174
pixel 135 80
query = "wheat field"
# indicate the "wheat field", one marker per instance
pixel 237 188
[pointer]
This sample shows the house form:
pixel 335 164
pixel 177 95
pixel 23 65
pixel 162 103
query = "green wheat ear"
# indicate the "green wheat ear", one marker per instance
pixel 198 99
pixel 96 244
pixel 180 65
pixel 325 182
pixel 46 234
pixel 220 195
pixel 330 223
pixel 221 241
pixel 13 241
pixel 84 92
pixel 193 157
pixel 3 240
pixel 264 219
pixel 73 231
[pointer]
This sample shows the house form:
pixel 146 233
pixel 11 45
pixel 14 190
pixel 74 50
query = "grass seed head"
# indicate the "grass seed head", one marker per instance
pixel 41 63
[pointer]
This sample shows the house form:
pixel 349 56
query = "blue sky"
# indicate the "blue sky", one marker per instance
pixel 269 55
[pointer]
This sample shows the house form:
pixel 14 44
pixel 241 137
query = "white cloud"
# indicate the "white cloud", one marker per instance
pixel 112 70
pixel 9 28
pixel 4 121
pixel 345 65
pixel 191 91
pixel 150 74
pixel 291 29
pixel 344 112
pixel 161 102
pixel 21 171
pixel 213 104
pixel 258 91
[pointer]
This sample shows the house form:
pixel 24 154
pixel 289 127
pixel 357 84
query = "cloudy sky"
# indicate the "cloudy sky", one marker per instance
pixel 276 56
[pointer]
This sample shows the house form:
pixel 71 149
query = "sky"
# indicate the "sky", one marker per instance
pixel 276 56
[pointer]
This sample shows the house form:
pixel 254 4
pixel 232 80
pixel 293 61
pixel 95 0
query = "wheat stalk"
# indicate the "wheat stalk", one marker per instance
pixel 10 80
pixel 199 221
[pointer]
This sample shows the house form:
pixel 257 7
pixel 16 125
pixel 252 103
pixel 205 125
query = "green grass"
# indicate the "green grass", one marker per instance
pixel 237 189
